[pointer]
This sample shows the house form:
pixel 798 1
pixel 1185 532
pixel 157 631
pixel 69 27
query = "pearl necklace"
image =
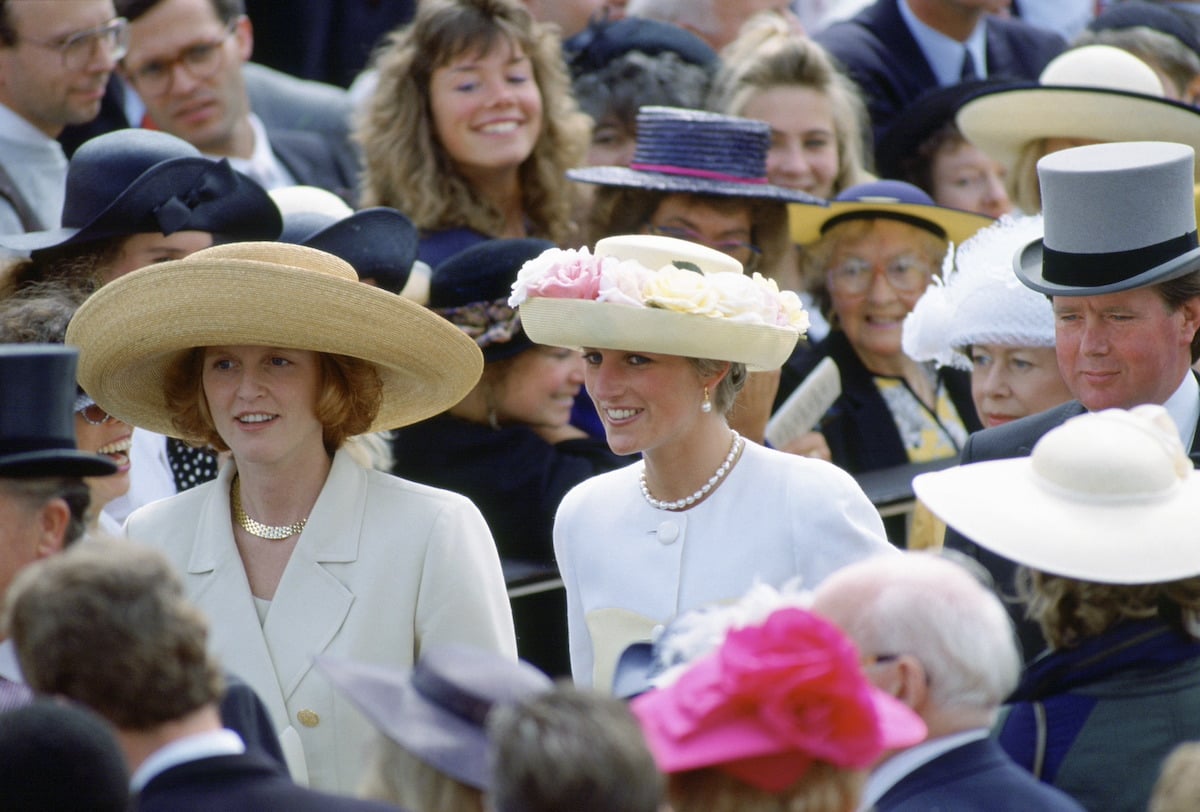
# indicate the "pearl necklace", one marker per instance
pixel 682 504
pixel 256 528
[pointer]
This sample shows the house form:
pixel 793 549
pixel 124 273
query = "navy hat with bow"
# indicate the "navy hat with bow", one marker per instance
pixel 137 181
pixel 380 243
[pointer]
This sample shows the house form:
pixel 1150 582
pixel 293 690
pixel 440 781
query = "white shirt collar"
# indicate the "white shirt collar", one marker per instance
pixel 1184 408
pixel 181 751
pixel 10 669
pixel 16 128
pixel 890 772
pixel 262 165
pixel 945 54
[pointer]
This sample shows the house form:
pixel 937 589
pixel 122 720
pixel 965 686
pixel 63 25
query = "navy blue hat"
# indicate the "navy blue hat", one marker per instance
pixel 380 243
pixel 471 290
pixel 605 40
pixel 886 200
pixel 1138 13
pixel 37 414
pixel 138 181
pixel 696 152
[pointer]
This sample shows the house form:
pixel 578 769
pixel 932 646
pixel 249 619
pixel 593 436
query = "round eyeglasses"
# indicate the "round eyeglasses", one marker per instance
pixel 201 60
pixel 90 411
pixel 78 50
pixel 853 277
pixel 744 252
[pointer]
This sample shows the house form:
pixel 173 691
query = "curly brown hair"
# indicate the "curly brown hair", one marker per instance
pixel 823 788
pixel 350 396
pixel 407 167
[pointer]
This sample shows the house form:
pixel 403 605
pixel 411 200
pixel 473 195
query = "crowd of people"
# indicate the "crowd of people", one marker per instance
pixel 481 405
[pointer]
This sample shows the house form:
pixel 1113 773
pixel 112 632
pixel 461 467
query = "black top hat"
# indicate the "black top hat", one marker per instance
pixel 1140 14
pixel 380 243
pixel 471 290
pixel 37 414
pixel 138 181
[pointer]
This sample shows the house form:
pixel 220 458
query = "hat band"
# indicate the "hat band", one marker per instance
pixel 441 693
pixel 1093 270
pixel 707 174
pixel 880 214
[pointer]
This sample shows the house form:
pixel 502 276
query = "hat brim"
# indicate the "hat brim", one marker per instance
pixel 1027 263
pixel 1002 122
pixel 806 224
pixel 579 323
pixel 131 332
pixel 1102 542
pixel 55 463
pixel 625 177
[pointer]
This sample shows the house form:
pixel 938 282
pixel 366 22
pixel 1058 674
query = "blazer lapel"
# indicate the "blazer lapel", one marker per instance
pixel 310 604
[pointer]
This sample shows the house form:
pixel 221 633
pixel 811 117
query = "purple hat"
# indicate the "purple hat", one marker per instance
pixel 696 152
pixel 438 710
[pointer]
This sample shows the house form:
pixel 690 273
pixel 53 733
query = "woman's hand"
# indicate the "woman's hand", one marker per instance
pixel 811 444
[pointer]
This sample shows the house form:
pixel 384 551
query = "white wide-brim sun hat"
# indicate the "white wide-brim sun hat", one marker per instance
pixel 1107 497
pixel 740 337
pixel 134 329
pixel 1095 92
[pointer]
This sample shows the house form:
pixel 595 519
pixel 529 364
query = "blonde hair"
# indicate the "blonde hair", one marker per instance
pixel 406 166
pixel 397 776
pixel 823 788
pixel 766 55
pixel 1024 190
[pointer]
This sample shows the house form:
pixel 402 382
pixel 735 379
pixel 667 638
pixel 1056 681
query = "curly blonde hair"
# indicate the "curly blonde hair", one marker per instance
pixel 407 167
pixel 823 788
pixel 767 55
pixel 1070 611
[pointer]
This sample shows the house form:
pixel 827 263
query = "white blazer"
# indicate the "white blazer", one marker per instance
pixel 383 568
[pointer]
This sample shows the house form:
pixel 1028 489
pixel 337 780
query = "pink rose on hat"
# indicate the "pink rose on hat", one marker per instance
pixel 560 274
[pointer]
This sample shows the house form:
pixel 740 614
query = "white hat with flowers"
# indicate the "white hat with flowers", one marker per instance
pixel 644 293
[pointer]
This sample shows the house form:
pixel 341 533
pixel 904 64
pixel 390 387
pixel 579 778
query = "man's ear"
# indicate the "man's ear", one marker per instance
pixel 912 683
pixel 53 519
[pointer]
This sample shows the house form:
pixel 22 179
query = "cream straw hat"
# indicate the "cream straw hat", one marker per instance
pixel 131 331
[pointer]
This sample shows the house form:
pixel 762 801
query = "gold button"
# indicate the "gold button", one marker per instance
pixel 308 718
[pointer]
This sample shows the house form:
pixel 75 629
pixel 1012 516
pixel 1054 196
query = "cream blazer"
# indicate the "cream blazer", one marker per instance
pixel 383 568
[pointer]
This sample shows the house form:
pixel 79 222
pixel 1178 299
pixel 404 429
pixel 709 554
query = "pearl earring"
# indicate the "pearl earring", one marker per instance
pixel 706 406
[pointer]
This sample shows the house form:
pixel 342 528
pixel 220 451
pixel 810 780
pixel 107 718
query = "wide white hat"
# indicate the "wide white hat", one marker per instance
pixel 645 293
pixel 1116 216
pixel 1108 497
pixel 1095 92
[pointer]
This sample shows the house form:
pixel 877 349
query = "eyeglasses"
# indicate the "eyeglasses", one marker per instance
pixel 79 49
pixel 853 277
pixel 87 408
pixel 743 252
pixel 201 60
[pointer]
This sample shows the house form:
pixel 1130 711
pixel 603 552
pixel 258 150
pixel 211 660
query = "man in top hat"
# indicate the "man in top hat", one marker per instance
pixel 1121 265
pixel 42 493
pixel 154 681
pixel 55 59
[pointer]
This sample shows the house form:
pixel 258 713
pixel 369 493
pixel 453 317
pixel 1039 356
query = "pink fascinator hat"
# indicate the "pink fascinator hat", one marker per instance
pixel 774 698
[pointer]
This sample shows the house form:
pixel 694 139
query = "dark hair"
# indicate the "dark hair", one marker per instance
pixel 634 79
pixel 38 314
pixel 226 10
pixel 79 265
pixel 8 34
pixel 917 167
pixel 1175 293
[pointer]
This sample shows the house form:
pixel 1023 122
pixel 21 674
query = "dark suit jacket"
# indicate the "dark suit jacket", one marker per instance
pixel 1017 439
pixel 241 783
pixel 313 162
pixel 879 52
pixel 977 777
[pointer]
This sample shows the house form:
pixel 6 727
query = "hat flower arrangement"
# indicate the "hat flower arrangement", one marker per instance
pixel 568 298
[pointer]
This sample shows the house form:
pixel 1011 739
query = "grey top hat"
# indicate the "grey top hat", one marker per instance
pixel 437 710
pixel 1117 216
pixel 37 414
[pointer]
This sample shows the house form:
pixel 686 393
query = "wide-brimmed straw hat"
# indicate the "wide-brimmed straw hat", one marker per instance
pixel 133 330
pixel 1108 497
pixel 643 293
pixel 1095 92
pixel 1117 217
pixel 885 200
pixel 697 152
pixel 438 710
pixel 774 698
pixel 137 181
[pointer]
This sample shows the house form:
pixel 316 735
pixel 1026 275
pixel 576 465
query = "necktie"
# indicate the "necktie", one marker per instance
pixel 13 695
pixel 968 67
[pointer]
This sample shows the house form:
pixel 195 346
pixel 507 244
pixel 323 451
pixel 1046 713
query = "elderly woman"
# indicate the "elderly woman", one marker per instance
pixel 758 725
pixel 669 329
pixel 1106 536
pixel 471 127
pixel 870 257
pixel 278 354
pixel 431 751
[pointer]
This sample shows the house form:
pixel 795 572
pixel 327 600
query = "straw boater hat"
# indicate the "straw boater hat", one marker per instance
pixel 132 330
pixel 1108 497
pixel 885 200
pixel 1095 92
pixel 696 152
pixel 979 300
pixel 644 293
pixel 1117 217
